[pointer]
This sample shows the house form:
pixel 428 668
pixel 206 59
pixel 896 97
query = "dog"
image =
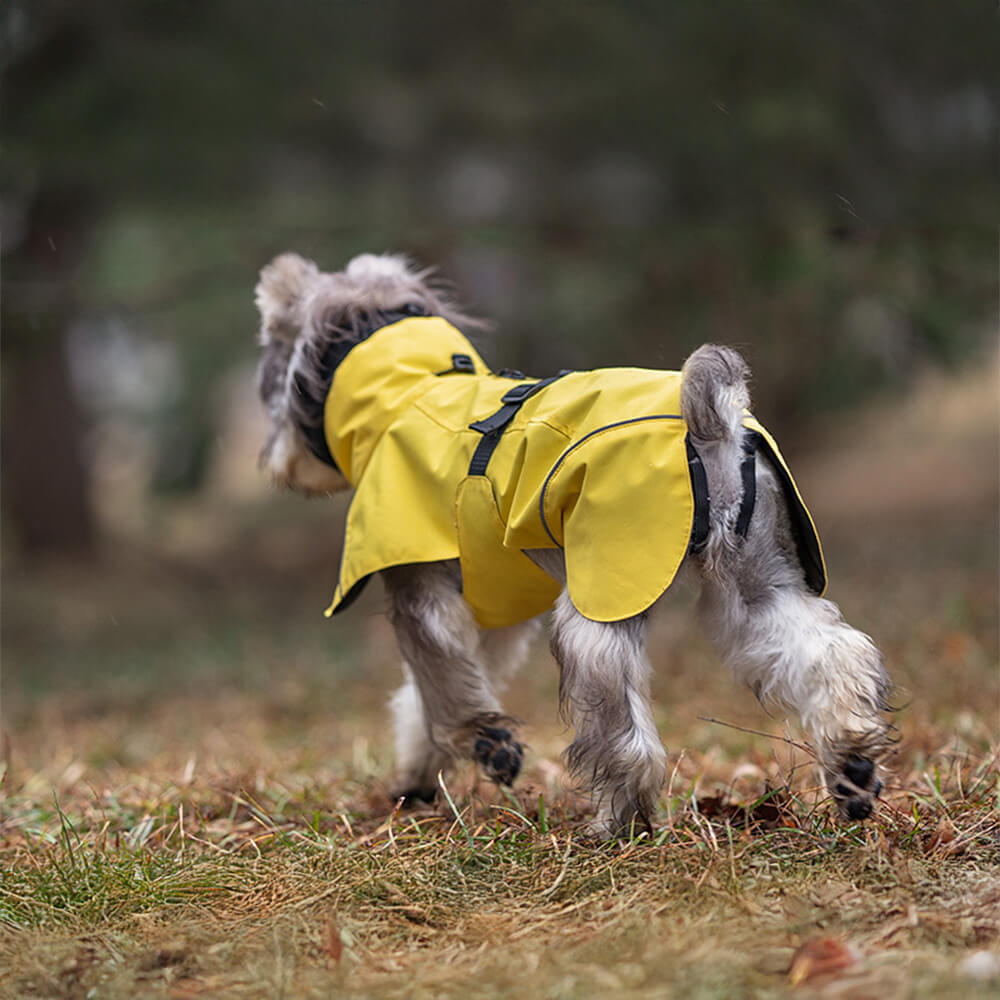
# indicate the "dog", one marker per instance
pixel 483 499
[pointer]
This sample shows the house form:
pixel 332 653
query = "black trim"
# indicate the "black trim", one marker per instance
pixel 748 474
pixel 493 426
pixel 804 531
pixel 702 501
pixel 352 595
pixel 315 436
pixel 365 325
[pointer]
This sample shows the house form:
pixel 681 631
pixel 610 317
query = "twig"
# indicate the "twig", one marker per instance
pixel 759 732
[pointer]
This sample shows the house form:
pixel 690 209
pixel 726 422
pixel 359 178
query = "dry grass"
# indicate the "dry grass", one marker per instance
pixel 194 805
pixel 288 879
pixel 156 841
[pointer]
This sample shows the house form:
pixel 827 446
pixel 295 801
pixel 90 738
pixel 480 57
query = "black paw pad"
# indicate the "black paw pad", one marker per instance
pixel 856 794
pixel 859 771
pixel 499 754
pixel 859 808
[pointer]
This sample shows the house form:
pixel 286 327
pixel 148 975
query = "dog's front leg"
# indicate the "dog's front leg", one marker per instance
pixel 604 693
pixel 447 693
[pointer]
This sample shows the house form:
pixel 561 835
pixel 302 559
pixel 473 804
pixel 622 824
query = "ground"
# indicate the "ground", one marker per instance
pixel 194 799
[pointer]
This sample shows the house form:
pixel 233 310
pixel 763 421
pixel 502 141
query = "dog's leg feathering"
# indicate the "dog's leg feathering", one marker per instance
pixel 450 693
pixel 604 693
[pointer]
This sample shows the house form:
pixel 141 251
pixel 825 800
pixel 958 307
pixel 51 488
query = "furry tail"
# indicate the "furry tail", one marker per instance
pixel 714 393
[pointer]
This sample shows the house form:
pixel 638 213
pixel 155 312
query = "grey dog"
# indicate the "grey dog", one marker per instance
pixel 789 645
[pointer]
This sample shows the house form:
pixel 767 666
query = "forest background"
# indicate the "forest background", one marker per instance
pixel 607 183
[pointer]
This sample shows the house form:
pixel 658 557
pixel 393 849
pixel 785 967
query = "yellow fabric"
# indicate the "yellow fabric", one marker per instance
pixel 594 463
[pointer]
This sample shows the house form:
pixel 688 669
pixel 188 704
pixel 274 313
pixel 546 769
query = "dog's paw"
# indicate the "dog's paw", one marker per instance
pixel 498 754
pixel 856 788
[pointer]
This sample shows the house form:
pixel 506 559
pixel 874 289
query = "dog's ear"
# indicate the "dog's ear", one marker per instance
pixel 279 296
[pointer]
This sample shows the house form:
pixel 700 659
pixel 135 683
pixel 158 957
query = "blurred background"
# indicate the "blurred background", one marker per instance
pixel 608 182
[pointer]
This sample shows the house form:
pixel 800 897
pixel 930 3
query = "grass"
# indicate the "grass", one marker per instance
pixel 243 867
pixel 194 804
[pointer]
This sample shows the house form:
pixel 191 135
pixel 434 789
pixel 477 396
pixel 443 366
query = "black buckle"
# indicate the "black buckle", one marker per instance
pixel 460 363
pixel 519 393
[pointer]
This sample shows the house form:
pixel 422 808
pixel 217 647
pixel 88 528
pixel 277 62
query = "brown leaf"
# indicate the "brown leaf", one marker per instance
pixel 333 946
pixel 819 957
pixel 944 839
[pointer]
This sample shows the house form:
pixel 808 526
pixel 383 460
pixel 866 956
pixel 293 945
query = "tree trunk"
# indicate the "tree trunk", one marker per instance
pixel 46 489
pixel 46 496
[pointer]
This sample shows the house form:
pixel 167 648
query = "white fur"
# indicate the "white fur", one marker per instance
pixel 293 466
pixel 368 268
pixel 797 653
pixel 418 758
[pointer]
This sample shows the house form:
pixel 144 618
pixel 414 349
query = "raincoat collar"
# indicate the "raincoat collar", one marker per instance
pixel 384 375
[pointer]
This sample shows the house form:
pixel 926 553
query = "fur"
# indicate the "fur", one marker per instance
pixel 793 649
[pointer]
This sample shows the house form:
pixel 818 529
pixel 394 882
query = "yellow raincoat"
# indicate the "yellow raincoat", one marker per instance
pixel 595 463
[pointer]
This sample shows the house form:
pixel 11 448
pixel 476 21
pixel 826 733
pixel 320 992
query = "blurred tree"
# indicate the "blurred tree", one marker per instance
pixel 45 478
pixel 614 181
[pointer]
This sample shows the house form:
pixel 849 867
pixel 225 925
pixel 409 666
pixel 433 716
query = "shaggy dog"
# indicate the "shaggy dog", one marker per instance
pixel 483 499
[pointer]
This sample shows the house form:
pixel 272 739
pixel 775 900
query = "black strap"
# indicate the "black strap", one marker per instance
pixel 699 489
pixel 748 473
pixel 493 426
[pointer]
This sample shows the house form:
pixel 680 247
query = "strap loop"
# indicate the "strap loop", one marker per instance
pixel 493 426
pixel 460 363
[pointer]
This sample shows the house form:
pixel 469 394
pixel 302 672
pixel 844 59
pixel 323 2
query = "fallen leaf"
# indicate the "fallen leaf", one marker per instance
pixel 818 957
pixel 333 946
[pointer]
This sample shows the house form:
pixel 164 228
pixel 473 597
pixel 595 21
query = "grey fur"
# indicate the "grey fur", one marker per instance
pixel 790 647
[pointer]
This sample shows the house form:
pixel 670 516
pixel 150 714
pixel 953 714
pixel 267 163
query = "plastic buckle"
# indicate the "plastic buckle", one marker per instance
pixel 463 363
pixel 519 393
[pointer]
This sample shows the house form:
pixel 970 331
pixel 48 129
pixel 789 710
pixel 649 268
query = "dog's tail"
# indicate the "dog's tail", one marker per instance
pixel 714 393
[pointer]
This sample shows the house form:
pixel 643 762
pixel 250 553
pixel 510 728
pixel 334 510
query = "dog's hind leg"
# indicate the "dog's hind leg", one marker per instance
pixel 459 709
pixel 604 693
pixel 794 650
pixel 791 647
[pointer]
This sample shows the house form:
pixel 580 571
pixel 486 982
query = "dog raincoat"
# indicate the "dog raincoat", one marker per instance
pixel 450 461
